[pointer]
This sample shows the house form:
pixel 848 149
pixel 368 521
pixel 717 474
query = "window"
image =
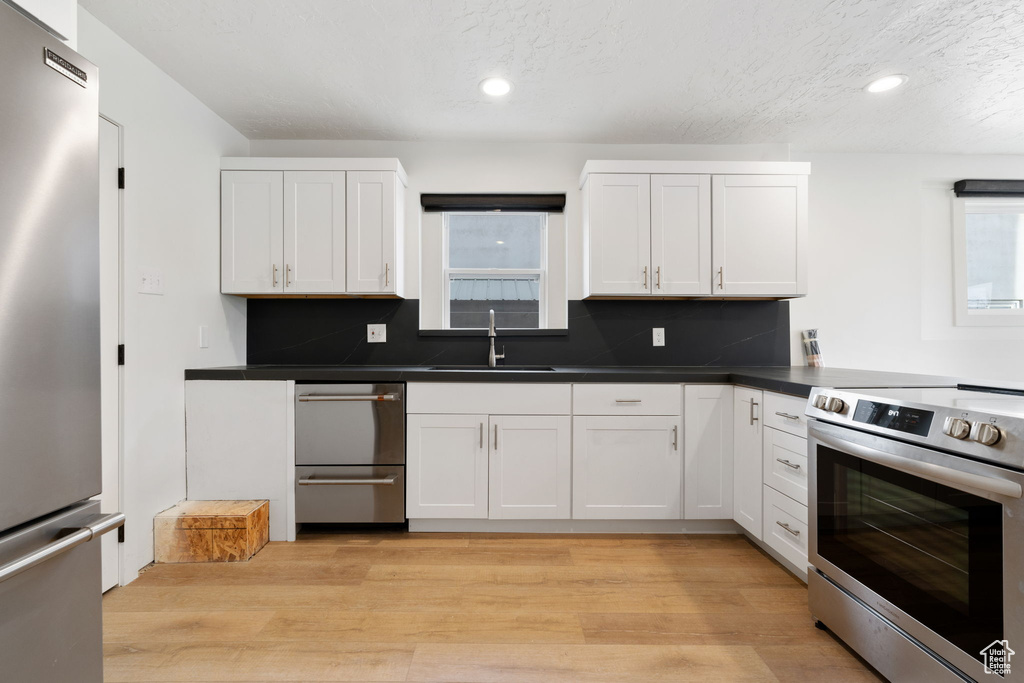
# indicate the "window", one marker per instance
pixel 498 261
pixel 989 260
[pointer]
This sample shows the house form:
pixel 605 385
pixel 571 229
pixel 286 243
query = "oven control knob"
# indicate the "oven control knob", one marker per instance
pixel 985 433
pixel 821 402
pixel 956 428
pixel 836 405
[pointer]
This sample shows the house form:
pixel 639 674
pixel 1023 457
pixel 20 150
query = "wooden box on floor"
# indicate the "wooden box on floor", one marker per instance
pixel 211 531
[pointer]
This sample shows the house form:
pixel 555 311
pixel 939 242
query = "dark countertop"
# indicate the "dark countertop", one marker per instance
pixel 795 380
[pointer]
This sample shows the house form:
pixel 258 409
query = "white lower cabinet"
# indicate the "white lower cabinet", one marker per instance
pixel 446 466
pixel 488 466
pixel 708 473
pixel 785 527
pixel 626 467
pixel 530 467
pixel 747 480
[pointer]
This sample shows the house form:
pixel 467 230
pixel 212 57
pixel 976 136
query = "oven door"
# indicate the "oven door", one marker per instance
pixel 932 542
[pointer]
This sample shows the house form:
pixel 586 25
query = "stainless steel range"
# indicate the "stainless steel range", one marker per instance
pixel 917 529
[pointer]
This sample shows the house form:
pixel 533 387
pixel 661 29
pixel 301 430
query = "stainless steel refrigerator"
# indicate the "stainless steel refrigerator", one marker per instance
pixel 50 596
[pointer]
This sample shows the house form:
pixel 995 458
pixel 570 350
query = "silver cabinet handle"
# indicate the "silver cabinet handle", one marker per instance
pixel 61 545
pixel 495 437
pixel 306 398
pixel 787 463
pixel 481 435
pixel 287 275
pixel 787 416
pixel 275 275
pixel 385 276
pixel 753 404
pixel 628 400
pixel 645 277
pixel 659 277
pixel 795 532
pixel 721 278
pixel 334 481
pixel 675 437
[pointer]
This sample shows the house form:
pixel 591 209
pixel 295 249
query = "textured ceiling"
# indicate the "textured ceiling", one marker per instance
pixel 605 71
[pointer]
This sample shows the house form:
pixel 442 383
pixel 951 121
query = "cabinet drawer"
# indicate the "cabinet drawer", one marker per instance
pixel 785 527
pixel 489 398
pixel 785 464
pixel 785 413
pixel 627 399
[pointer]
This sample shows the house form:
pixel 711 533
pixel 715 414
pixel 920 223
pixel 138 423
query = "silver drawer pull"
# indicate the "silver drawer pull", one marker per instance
pixel 628 400
pixel 795 532
pixel 62 545
pixel 332 481
pixel 787 463
pixel 787 416
pixel 306 398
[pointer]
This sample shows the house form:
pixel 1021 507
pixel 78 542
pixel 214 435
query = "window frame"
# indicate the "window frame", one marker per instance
pixel 542 272
pixel 964 316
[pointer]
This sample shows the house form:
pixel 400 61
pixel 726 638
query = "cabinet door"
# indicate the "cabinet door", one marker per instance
pixel 314 232
pixel 372 230
pixel 759 235
pixel 626 467
pixel 530 467
pixel 251 238
pixel 619 233
pixel 747 461
pixel 681 234
pixel 446 466
pixel 707 478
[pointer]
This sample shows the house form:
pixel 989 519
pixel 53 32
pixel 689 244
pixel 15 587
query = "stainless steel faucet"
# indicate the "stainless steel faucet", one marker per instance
pixel 492 357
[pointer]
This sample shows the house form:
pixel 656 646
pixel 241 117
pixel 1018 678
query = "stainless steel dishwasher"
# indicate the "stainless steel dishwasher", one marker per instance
pixel 349 453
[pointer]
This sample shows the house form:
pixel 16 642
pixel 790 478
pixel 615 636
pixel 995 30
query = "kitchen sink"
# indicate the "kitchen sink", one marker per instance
pixel 484 368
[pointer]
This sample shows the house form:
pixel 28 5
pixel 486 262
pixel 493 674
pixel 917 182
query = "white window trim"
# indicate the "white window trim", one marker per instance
pixel 447 271
pixel 974 317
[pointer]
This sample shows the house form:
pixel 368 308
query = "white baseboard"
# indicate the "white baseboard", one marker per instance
pixel 578 526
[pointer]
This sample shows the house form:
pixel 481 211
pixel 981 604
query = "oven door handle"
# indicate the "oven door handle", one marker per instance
pixel 927 470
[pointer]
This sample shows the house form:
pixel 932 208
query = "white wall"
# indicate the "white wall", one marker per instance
pixel 172 149
pixel 881 274
pixel 59 15
pixel 503 167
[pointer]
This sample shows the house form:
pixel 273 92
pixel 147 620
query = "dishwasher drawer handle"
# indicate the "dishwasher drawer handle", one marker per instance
pixel 62 545
pixel 306 398
pixel 335 481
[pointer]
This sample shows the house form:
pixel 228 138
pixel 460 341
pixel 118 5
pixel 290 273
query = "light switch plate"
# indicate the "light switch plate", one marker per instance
pixel 151 281
pixel 659 336
pixel 377 333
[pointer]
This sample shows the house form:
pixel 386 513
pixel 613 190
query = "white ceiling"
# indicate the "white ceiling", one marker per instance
pixel 602 71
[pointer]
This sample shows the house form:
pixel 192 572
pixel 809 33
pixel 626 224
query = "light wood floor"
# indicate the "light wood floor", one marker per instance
pixel 473 607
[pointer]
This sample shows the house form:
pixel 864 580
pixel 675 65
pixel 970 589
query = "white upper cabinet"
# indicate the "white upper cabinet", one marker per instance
pixel 251 232
pixel 314 231
pixel 296 227
pixel 695 229
pixel 759 231
pixel 619 211
pixel 374 213
pixel 681 234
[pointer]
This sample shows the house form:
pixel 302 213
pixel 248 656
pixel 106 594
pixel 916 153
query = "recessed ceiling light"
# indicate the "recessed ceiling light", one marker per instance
pixel 495 87
pixel 500 242
pixel 886 83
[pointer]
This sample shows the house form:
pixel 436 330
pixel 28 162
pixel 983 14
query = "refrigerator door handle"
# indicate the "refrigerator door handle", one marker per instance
pixel 61 545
